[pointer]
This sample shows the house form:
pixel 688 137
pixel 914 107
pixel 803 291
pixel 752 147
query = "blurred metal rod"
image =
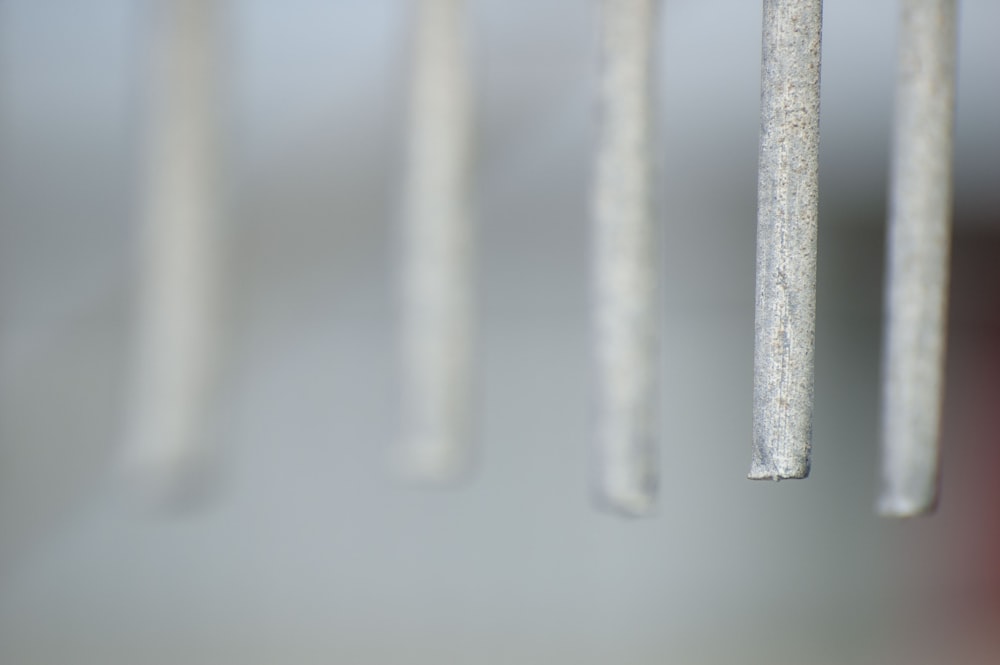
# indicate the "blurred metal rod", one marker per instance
pixel 436 265
pixel 787 211
pixel 919 240
pixel 168 447
pixel 625 262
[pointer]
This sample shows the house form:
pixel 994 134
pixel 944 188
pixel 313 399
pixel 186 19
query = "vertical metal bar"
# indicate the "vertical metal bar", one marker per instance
pixel 787 211
pixel 436 254
pixel 919 240
pixel 625 252
pixel 168 445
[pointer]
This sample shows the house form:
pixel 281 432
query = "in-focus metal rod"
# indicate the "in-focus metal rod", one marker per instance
pixel 436 262
pixel 625 267
pixel 169 448
pixel 787 211
pixel 919 240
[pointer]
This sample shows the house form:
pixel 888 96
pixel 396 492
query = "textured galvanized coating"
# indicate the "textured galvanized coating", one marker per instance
pixel 787 212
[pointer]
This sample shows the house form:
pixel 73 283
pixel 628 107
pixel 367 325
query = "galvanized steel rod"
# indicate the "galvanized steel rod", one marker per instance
pixel 625 262
pixel 787 212
pixel 436 262
pixel 919 240
pixel 169 447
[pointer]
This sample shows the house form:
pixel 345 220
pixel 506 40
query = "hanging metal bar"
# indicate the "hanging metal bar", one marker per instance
pixel 787 212
pixel 436 265
pixel 625 262
pixel 919 240
pixel 168 448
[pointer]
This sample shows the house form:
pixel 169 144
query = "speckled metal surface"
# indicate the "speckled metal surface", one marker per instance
pixel 787 212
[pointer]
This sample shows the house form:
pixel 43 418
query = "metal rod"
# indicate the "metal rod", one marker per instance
pixel 168 447
pixel 625 262
pixel 919 240
pixel 436 261
pixel 787 212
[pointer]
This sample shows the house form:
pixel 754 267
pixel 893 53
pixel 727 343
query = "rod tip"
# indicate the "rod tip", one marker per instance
pixel 626 501
pixel 429 464
pixel 901 505
pixel 789 470
pixel 171 481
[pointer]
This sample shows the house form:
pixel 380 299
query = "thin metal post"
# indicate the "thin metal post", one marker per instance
pixel 787 212
pixel 168 447
pixel 919 240
pixel 436 268
pixel 625 253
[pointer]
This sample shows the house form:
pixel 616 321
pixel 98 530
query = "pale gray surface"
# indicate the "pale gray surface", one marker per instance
pixel 168 443
pixel 626 248
pixel 919 243
pixel 436 273
pixel 787 215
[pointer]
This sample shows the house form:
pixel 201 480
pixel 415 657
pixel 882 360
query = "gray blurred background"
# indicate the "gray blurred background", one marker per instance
pixel 307 551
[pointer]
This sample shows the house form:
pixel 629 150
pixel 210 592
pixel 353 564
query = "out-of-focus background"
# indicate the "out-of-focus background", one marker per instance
pixel 307 551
